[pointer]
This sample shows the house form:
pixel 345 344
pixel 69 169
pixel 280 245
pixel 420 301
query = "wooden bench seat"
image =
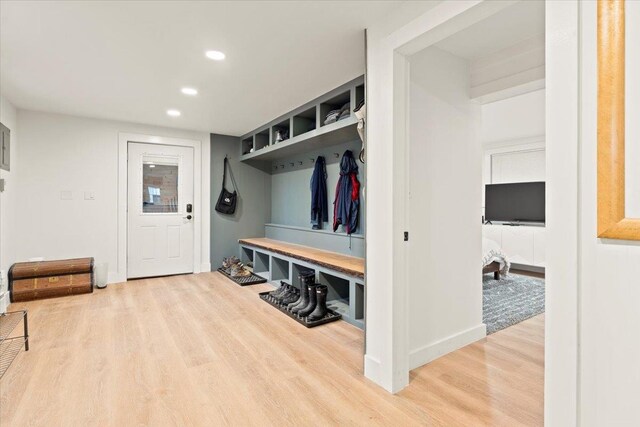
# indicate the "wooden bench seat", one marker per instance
pixel 352 266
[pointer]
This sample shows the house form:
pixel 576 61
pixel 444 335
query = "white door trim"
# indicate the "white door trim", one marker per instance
pixel 387 358
pixel 123 141
pixel 386 361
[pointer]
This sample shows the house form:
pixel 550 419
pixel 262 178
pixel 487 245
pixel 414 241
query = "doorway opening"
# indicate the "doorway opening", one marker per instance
pixel 475 121
pixel 159 206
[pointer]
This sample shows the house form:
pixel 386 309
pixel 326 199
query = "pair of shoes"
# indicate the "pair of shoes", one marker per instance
pixel 229 261
pixel 239 270
pixel 285 295
pixel 316 309
pixel 276 295
pixel 292 295
pixel 306 278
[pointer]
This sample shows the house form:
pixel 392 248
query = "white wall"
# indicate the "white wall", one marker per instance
pixel 445 167
pixel 66 153
pixel 514 118
pixel 609 271
pixel 8 198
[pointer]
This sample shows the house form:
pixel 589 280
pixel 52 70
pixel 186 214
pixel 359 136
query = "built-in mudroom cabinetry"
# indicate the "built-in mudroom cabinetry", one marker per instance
pixel 286 150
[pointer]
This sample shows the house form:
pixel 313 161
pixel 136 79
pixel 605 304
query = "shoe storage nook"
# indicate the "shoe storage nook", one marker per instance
pixel 279 263
pixel 286 150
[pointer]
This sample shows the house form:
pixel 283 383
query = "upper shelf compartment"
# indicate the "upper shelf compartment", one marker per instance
pixel 323 122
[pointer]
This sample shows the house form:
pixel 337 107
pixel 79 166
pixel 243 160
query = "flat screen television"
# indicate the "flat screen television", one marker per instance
pixel 518 202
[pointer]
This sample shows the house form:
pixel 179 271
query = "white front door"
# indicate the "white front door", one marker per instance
pixel 160 210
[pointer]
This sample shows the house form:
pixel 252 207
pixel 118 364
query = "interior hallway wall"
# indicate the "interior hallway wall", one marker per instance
pixel 445 168
pixel 75 154
pixel 513 119
pixel 254 200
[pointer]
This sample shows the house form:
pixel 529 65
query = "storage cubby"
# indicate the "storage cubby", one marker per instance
pixel 303 129
pixel 261 140
pixel 246 255
pixel 337 292
pixel 279 269
pixel 247 145
pixel 304 122
pixel 296 269
pixel 261 263
pixel 284 128
pixel 334 103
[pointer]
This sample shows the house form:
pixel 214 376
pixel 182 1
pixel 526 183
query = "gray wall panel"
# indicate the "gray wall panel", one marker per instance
pixel 291 194
pixel 326 240
pixel 254 200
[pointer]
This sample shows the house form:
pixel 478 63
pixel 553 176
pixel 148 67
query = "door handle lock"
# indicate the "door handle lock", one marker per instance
pixel 188 217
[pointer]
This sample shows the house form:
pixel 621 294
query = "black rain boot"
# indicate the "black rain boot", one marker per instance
pixel 306 278
pixel 321 306
pixel 312 302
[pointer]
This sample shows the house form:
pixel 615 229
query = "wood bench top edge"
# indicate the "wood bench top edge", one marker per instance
pixel 347 264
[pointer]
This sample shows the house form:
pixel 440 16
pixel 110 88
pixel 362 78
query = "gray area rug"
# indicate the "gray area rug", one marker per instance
pixel 510 300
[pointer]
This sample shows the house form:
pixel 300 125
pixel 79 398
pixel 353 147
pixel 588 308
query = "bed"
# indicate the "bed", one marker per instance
pixel 493 259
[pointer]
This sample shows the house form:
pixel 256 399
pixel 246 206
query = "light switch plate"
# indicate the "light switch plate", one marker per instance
pixel 89 195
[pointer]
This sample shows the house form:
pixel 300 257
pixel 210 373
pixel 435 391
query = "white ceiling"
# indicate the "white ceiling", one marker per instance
pixel 522 21
pixel 128 60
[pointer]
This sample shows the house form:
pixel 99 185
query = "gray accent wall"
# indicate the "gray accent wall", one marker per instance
pixel 291 193
pixel 336 242
pixel 254 200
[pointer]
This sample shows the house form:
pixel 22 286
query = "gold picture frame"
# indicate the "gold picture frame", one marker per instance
pixel 612 221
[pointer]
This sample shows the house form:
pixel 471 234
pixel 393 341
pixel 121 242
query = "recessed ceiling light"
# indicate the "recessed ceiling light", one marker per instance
pixel 152 165
pixel 216 55
pixel 173 113
pixel 189 91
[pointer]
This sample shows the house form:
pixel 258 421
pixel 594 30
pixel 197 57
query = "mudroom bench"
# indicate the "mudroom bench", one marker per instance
pixel 279 261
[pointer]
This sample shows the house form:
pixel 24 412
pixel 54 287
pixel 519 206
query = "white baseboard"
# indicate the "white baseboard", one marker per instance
pixel 4 302
pixel 115 277
pixel 205 267
pixel 373 371
pixel 431 352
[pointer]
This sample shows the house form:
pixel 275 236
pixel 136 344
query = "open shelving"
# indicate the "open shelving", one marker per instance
pixel 303 129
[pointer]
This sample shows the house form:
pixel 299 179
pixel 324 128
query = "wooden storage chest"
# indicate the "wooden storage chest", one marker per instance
pixel 48 279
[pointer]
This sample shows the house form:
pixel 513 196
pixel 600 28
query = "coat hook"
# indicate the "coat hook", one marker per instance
pixel 336 155
pixel 275 167
pixel 300 162
pixel 282 166
pixel 292 164
pixel 313 159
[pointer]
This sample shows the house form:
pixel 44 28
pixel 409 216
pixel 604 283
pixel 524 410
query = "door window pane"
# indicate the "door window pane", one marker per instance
pixel 159 187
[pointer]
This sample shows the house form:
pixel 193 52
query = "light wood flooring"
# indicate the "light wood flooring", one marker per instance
pixel 199 350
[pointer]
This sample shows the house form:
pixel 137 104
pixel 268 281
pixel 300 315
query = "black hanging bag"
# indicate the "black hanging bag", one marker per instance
pixel 227 201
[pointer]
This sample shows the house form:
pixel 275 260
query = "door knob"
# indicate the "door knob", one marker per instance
pixel 188 217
